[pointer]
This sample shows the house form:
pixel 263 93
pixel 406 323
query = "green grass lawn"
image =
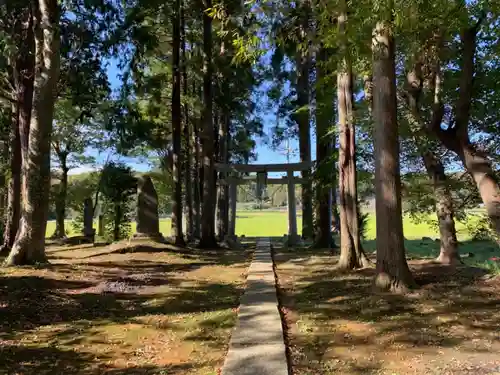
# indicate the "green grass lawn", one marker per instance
pixel 274 224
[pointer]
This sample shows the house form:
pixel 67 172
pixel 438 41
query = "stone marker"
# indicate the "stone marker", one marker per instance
pixel 148 223
pixel 100 226
pixel 88 218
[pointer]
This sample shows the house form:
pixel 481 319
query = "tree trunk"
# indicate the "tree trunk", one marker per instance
pixel 324 177
pixel 435 170
pixel 177 233
pixel 29 246
pixel 196 185
pixel 457 139
pixel 13 211
pixel 207 239
pixel 335 211
pixel 302 117
pixel 223 189
pixel 187 137
pixel 351 252
pixel 444 209
pixel 60 231
pixel 392 272
pixel 479 167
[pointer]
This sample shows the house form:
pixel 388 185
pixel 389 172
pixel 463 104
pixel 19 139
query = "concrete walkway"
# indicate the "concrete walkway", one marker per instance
pixel 257 346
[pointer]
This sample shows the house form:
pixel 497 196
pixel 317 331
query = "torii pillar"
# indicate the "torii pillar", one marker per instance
pixel 233 197
pixel 293 238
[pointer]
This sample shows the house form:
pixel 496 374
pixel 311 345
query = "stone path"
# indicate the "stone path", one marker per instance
pixel 257 346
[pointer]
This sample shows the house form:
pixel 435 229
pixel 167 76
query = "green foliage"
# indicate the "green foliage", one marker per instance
pixel 118 185
pixel 163 184
pixel 80 187
pixel 363 219
pixel 479 227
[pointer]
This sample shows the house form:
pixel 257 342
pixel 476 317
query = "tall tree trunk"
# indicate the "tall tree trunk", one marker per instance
pixel 196 178
pixel 435 170
pixel 13 211
pixel 351 252
pixel 324 176
pixel 457 138
pixel 5 171
pixel 29 246
pixel 60 231
pixel 207 239
pixel 223 189
pixel 177 234
pixel 444 209
pixel 479 166
pixel 304 141
pixel 392 271
pixel 187 136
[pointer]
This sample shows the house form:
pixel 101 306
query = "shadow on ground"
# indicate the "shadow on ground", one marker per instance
pixel 338 325
pixel 60 318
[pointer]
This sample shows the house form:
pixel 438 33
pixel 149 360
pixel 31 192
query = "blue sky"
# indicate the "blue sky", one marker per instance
pixel 264 152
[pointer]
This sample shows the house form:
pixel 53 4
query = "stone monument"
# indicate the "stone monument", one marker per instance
pixel 148 223
pixel 88 219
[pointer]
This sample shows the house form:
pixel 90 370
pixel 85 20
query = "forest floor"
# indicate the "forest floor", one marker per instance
pixel 336 324
pixel 120 310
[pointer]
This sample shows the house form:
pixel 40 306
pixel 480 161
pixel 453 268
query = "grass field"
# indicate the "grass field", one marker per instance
pixel 274 224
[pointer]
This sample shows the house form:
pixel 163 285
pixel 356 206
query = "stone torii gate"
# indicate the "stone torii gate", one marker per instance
pixel 232 177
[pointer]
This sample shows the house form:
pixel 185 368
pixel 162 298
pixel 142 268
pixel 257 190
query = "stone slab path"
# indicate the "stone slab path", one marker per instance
pixel 257 346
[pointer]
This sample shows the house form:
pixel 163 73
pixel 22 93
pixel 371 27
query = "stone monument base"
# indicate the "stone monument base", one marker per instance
pixel 156 237
pixel 292 241
pixel 232 242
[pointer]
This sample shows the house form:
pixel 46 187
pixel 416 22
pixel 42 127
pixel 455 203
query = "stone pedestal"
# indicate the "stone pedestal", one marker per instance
pixel 232 242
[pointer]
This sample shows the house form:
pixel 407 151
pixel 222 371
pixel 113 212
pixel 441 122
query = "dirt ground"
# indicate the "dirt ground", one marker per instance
pixel 145 309
pixel 337 325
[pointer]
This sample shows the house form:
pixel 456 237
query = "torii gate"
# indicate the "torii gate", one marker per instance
pixel 233 179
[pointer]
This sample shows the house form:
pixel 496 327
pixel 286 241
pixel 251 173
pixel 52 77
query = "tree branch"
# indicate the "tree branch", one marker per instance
pixel 463 105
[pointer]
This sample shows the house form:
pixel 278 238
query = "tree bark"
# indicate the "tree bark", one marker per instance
pixel 444 209
pixel 456 138
pixel 435 170
pixel 13 211
pixel 223 189
pixel 479 166
pixel 196 178
pixel 207 239
pixel 60 231
pixel 187 137
pixel 392 271
pixel 324 177
pixel 177 233
pixel 29 245
pixel 351 252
